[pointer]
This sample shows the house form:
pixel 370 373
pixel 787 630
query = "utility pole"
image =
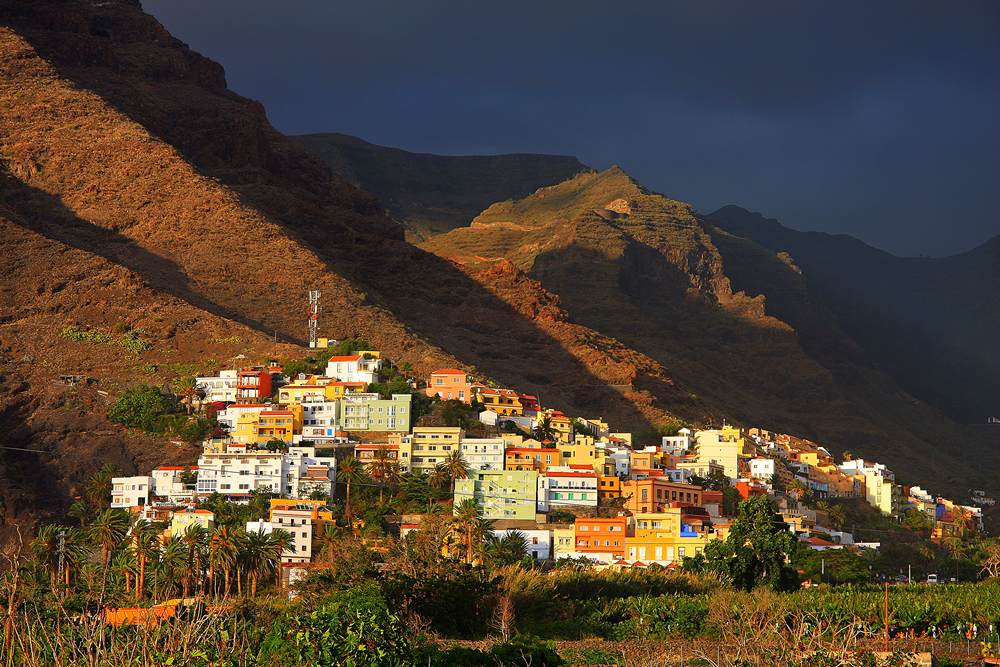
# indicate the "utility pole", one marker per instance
pixel 62 555
pixel 314 309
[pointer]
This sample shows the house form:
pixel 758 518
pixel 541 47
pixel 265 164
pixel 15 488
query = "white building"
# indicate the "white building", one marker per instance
pixel 230 419
pixel 296 473
pixel 483 453
pixel 219 388
pixel 321 422
pixel 677 444
pixel 355 368
pixel 567 485
pixel 622 457
pixel 131 491
pixel 167 483
pixel 537 542
pixel 881 491
pixel 678 475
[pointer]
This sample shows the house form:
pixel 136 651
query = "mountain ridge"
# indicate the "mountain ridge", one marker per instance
pixel 669 282
pixel 934 322
pixel 431 194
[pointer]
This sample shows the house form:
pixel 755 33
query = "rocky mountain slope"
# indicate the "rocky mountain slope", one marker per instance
pixel 433 194
pixel 933 324
pixel 136 188
pixel 736 323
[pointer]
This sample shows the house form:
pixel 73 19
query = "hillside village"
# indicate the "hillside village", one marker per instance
pixel 568 487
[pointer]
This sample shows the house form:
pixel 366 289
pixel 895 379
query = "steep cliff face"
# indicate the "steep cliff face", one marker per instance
pixel 736 324
pixel 433 194
pixel 931 323
pixel 135 188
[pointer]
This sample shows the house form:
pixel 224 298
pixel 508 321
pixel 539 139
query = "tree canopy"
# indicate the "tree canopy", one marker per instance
pixel 756 551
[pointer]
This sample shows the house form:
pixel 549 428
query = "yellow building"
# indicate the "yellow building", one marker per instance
pixel 189 517
pixel 563 542
pixel 579 454
pixel 279 424
pixel 316 389
pixel 431 445
pixel 728 447
pixel 669 536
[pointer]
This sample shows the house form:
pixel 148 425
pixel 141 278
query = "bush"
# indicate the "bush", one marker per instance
pixel 354 629
pixel 139 407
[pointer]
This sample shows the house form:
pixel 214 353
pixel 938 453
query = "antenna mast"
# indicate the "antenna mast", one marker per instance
pixel 314 309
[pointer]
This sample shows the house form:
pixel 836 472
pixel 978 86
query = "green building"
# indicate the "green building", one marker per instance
pixel 370 412
pixel 503 494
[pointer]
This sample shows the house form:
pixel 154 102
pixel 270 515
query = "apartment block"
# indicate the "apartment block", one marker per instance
pixel 503 494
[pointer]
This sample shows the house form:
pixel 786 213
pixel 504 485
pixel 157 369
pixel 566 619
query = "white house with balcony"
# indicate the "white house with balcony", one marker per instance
pixel 220 388
pixel 360 367
pixel 296 473
pixel 131 491
pixel 567 486
pixel 483 453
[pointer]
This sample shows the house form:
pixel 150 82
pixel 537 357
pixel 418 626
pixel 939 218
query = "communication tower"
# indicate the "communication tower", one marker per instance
pixel 314 309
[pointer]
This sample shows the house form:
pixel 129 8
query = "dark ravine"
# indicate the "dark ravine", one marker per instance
pixel 933 324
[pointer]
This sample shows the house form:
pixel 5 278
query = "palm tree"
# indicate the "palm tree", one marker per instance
pixel 798 489
pixel 187 388
pixel 99 487
pixel 173 558
pixel 125 565
pixel 544 430
pixel 955 550
pixel 384 467
pixel 962 519
pixel 466 515
pixel 327 539
pixel 350 471
pixel 146 548
pixel 195 537
pixel 81 511
pixel 45 549
pixel 281 541
pixel 506 550
pixel 838 516
pixel 108 531
pixel 453 467
pixel 926 552
pixel 254 556
pixel 224 550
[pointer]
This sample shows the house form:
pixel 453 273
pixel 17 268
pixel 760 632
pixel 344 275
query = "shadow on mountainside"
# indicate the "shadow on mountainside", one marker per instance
pixel 45 214
pixel 439 301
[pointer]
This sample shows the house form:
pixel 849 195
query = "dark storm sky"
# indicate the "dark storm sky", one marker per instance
pixel 878 119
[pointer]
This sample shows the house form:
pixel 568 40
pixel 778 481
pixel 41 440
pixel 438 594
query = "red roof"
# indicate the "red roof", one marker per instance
pixel 175 468
pixel 351 358
pixel 448 371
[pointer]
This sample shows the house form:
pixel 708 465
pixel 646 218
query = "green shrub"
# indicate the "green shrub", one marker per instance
pixel 139 407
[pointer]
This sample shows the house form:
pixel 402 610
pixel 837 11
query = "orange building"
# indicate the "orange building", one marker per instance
pixel 528 458
pixel 609 486
pixel 252 385
pixel 451 384
pixel 606 536
pixel 656 493
pixel 507 401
